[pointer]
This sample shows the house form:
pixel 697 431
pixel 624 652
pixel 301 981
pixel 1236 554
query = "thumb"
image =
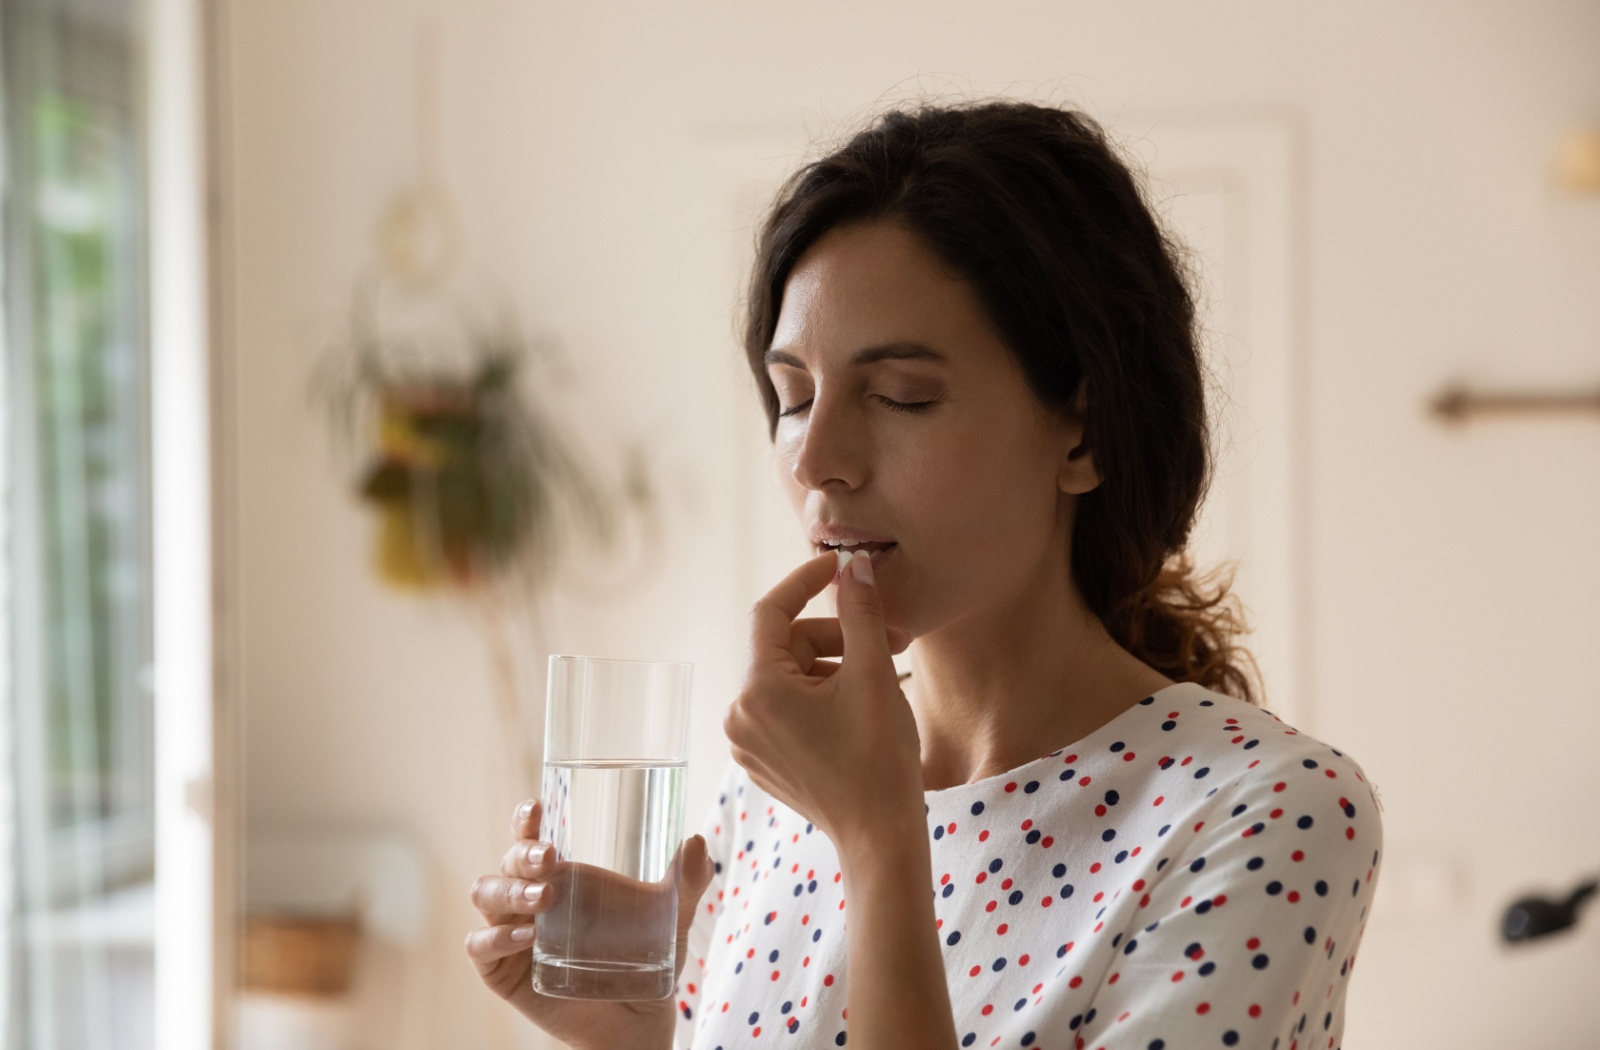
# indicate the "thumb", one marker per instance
pixel 694 875
pixel 866 635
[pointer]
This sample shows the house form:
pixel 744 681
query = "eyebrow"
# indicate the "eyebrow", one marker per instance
pixel 870 355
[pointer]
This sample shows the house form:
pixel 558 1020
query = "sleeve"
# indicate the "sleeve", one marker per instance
pixel 718 828
pixel 1250 935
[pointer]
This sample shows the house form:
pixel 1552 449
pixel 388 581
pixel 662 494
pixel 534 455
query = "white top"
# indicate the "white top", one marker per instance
pixel 1194 873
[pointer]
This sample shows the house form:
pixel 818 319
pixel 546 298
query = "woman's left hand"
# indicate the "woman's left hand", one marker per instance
pixel 835 742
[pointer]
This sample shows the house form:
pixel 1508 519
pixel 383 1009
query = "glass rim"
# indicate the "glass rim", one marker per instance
pixel 619 660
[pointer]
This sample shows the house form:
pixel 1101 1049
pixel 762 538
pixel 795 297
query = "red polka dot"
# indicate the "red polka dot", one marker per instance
pixel 1203 1008
pixel 1255 1009
pixel 1049 841
pixel 1177 977
pixel 1011 786
pixel 1159 799
pixel 1023 961
pixel 983 835
pixel 1075 982
pixel 987 1009
pixel 1253 943
pixel 1297 856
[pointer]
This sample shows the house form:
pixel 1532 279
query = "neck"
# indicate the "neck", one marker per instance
pixel 1000 687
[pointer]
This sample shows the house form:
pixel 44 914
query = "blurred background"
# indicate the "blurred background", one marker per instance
pixel 278 273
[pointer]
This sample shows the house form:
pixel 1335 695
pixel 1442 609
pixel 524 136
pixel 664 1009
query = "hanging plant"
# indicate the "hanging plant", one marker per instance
pixel 477 493
pixel 472 484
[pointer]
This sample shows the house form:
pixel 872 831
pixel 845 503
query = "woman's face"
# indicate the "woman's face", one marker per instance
pixel 906 421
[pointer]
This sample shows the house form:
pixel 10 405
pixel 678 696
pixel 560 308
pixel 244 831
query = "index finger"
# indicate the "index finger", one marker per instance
pixel 772 616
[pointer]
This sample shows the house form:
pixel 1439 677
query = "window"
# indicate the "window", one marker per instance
pixel 77 514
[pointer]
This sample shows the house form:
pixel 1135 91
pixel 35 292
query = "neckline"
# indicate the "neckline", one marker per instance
pixel 1084 743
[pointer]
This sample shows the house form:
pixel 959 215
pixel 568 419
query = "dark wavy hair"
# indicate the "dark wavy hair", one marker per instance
pixel 1033 206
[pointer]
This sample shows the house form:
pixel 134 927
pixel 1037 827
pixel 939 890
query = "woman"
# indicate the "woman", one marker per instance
pixel 1068 825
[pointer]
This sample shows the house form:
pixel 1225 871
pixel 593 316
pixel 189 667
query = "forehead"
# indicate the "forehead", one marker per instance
pixel 874 284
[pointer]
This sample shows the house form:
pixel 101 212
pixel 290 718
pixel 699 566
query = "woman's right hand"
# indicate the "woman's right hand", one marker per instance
pixel 502 951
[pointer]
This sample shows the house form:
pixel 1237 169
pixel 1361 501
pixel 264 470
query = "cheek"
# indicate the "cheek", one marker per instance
pixel 986 504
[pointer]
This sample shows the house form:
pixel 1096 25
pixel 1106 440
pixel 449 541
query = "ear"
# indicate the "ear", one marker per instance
pixel 1077 473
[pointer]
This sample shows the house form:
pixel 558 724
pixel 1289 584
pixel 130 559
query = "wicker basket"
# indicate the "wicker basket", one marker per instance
pixel 315 956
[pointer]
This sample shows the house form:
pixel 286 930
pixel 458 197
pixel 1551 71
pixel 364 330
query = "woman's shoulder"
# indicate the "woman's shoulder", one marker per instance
pixel 1233 737
pixel 1264 772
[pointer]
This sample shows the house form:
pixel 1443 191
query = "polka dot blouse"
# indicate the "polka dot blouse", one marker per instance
pixel 1195 873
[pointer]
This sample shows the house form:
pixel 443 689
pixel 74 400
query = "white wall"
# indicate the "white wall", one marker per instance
pixel 1453 578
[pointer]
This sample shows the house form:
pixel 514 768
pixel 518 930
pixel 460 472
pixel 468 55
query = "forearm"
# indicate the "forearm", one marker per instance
pixel 897 991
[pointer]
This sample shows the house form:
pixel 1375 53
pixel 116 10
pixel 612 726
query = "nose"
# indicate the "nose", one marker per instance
pixel 830 449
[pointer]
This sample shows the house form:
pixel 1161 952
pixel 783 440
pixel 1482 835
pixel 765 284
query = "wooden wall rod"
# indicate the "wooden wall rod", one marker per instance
pixel 1457 404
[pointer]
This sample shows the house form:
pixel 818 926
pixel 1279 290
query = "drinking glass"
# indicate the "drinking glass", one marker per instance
pixel 615 741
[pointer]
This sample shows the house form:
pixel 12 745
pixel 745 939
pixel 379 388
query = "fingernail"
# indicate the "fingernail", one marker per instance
pixel 539 853
pixel 533 891
pixel 523 811
pixel 522 933
pixel 861 565
pixel 844 562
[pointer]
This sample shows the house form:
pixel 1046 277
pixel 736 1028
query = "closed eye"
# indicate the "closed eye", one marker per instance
pixel 907 406
pixel 889 403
